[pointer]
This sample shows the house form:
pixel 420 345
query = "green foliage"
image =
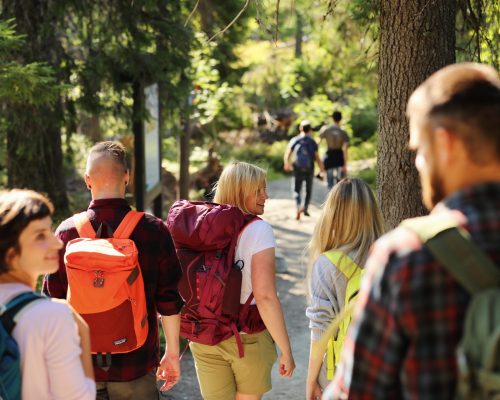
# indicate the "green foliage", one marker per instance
pixel 362 150
pixel 33 83
pixel 478 31
pixel 267 156
pixel 317 109
pixel 369 175
pixel 364 121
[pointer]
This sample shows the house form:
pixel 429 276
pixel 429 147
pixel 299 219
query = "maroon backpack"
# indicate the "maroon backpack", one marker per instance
pixel 205 237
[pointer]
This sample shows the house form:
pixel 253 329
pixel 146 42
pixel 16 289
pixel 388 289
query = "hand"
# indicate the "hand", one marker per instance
pixel 287 167
pixel 287 365
pixel 169 371
pixel 313 391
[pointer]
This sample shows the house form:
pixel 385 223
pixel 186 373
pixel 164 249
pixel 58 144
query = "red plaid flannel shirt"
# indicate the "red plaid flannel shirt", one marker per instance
pixel 161 273
pixel 409 318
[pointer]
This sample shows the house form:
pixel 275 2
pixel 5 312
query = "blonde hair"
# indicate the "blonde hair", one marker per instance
pixel 113 150
pixel 350 221
pixel 237 181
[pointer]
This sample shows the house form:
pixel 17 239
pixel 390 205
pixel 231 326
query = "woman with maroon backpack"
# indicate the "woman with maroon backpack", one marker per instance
pixel 222 372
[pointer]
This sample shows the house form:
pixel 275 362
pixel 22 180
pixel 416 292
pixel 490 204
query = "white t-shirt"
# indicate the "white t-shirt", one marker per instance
pixel 256 237
pixel 49 344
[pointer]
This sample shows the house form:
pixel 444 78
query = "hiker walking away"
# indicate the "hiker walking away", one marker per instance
pixel 124 332
pixel 53 341
pixel 406 334
pixel 305 152
pixel 335 159
pixel 349 223
pixel 222 373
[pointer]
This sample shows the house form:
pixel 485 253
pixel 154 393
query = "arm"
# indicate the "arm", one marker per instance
pixel 319 162
pixel 169 303
pixel 287 166
pixel 313 390
pixel 84 333
pixel 169 369
pixel 67 355
pixel 327 283
pixel 264 290
pixel 55 285
pixel 344 167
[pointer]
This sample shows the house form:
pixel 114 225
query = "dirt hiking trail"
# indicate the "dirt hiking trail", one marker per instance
pixel 292 237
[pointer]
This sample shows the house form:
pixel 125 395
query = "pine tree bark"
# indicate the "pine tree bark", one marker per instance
pixel 416 38
pixel 34 154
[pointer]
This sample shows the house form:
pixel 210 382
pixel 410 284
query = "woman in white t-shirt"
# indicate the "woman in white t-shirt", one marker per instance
pixel 222 374
pixel 53 341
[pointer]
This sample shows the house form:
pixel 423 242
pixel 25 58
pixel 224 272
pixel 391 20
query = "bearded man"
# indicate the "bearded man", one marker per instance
pixel 411 310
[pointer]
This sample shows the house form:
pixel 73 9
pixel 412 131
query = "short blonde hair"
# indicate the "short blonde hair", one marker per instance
pixel 237 181
pixel 113 150
pixel 350 221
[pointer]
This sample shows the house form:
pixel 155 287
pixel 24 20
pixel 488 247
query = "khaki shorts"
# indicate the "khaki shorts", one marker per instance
pixel 222 373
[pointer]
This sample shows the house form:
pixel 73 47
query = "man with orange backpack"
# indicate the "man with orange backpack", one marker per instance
pixel 119 269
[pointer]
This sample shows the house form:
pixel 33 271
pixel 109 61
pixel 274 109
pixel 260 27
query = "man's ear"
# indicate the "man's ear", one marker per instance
pixel 444 145
pixel 9 256
pixel 87 182
pixel 448 146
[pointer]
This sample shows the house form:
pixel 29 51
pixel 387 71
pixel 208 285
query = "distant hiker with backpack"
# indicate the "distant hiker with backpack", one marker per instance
pixel 349 224
pixel 119 269
pixel 412 335
pixel 337 142
pixel 232 316
pixel 304 152
pixel 42 341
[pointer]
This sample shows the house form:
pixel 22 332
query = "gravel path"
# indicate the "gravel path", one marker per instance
pixel 292 237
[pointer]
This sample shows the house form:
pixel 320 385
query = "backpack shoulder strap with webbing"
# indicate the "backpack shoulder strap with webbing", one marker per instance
pixel 123 231
pixel 452 247
pixel 343 262
pixel 10 310
pixel 353 272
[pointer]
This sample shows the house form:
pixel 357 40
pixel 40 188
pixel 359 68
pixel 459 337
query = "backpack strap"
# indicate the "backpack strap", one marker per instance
pixel 128 224
pixel 9 311
pixel 343 262
pixel 83 225
pixel 452 247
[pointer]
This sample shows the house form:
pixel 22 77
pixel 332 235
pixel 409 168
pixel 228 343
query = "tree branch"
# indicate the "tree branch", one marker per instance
pixel 192 13
pixel 231 23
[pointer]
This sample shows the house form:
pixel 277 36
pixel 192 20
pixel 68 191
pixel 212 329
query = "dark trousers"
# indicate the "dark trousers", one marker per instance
pixel 301 176
pixel 143 388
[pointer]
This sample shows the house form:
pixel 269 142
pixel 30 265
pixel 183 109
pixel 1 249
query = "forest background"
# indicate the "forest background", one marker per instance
pixel 235 78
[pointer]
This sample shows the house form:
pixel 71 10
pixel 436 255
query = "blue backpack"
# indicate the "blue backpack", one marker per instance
pixel 10 368
pixel 304 160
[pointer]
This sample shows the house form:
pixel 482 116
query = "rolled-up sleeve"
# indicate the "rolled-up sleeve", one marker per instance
pixel 326 286
pixel 168 299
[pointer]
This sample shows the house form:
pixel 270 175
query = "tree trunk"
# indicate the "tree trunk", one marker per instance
pixel 34 154
pixel 184 153
pixel 298 35
pixel 416 38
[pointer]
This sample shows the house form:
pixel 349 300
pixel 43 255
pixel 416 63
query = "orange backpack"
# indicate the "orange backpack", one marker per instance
pixel 105 286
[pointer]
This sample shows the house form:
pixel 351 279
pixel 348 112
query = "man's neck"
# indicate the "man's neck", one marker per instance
pixel 107 195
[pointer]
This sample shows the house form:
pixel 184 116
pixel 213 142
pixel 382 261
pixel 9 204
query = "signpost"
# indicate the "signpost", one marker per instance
pixel 147 150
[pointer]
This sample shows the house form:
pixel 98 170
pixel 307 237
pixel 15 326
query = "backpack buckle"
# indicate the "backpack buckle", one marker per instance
pixel 98 279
